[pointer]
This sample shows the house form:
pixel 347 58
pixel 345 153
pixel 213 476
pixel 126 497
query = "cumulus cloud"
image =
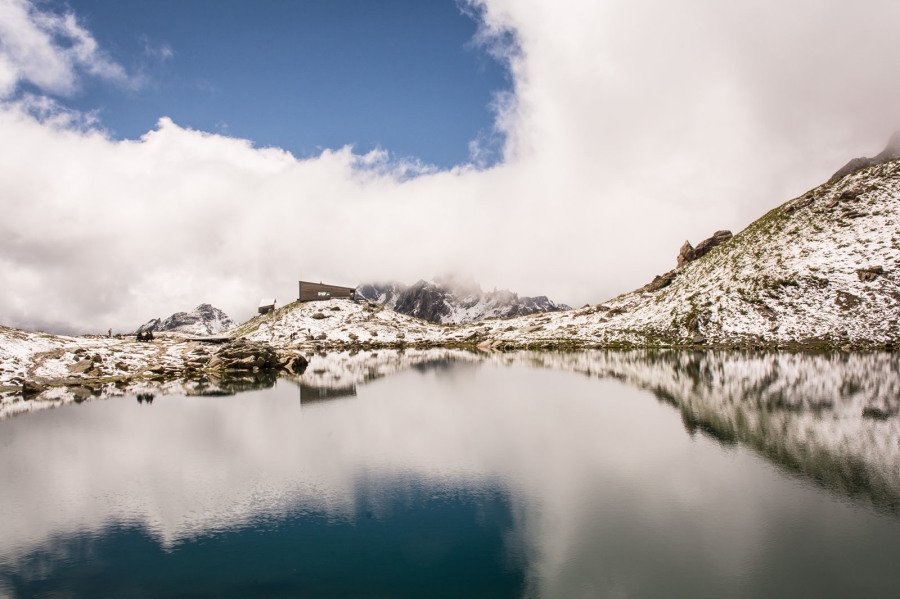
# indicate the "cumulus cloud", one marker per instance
pixel 631 125
pixel 48 50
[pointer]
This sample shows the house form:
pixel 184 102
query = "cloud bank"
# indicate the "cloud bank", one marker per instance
pixel 631 127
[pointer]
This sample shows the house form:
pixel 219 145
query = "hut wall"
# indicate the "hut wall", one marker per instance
pixel 311 292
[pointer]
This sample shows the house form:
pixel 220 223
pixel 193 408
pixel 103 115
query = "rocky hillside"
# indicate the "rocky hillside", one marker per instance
pixel 202 320
pixel 446 301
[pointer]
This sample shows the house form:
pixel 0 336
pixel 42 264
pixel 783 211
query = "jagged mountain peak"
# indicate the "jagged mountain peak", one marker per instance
pixel 454 299
pixel 205 319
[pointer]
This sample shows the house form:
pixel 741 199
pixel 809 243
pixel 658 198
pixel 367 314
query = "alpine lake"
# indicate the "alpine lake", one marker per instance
pixel 441 473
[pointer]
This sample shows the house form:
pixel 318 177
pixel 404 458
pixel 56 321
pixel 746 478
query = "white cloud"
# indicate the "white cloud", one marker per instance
pixel 48 50
pixel 631 126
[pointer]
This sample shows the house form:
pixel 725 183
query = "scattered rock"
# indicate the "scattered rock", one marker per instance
pixel 876 413
pixel 319 316
pixel 246 355
pixel 698 339
pixel 869 274
pixel 82 366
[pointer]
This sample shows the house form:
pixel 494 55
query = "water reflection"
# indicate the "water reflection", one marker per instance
pixel 577 486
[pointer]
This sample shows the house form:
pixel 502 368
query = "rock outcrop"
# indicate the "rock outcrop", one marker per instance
pixel 689 253
pixel 243 355
pixel 890 152
pixel 202 320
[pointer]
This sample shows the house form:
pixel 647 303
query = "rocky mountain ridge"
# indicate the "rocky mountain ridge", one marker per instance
pixel 452 302
pixel 205 319
pixel 889 153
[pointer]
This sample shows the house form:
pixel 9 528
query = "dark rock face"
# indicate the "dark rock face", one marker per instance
pixel 688 253
pixel 202 320
pixel 454 301
pixel 660 281
pixel 890 152
pixel 424 300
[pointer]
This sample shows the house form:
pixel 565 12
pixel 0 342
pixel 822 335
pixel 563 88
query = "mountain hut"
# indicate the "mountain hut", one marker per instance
pixel 312 292
pixel 266 306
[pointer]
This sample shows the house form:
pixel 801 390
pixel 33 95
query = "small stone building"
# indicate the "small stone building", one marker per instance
pixel 266 306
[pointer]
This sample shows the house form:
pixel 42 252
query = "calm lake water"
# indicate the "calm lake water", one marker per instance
pixel 445 474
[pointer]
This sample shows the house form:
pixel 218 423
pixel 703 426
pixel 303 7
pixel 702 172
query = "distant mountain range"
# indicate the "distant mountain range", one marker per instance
pixel 202 320
pixel 450 300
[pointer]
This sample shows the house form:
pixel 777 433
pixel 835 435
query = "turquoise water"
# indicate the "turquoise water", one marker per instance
pixel 652 477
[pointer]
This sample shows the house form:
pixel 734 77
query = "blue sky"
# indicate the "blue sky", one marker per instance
pixel 401 75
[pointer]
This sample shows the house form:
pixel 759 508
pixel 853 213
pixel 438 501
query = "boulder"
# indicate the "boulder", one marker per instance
pixel 660 281
pixel 81 366
pixel 869 274
pixel 31 388
pixel 80 393
pixel 717 239
pixel 296 365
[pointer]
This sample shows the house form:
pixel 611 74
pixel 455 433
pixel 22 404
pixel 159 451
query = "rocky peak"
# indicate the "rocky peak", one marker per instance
pixel 890 152
pixel 205 319
pixel 454 300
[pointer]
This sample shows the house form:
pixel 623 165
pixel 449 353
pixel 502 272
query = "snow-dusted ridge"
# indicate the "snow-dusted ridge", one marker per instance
pixel 820 271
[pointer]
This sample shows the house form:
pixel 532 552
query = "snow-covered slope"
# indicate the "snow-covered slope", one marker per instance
pixel 447 302
pixel 820 269
pixel 338 322
pixel 202 320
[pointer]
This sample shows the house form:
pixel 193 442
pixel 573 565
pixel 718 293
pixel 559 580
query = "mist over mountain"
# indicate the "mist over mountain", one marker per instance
pixel 453 299
pixel 202 320
pixel 889 153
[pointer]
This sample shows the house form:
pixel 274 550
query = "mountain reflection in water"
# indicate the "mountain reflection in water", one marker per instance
pixel 424 461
